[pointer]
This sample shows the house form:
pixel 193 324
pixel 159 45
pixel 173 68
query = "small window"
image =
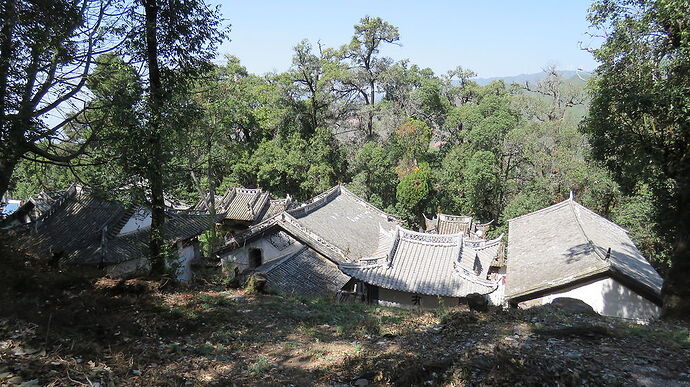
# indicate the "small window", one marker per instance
pixel 255 258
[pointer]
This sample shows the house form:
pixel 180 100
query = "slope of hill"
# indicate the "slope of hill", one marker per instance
pixel 522 78
pixel 60 330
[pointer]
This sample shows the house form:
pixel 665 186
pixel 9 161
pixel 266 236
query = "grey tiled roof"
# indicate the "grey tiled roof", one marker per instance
pixel 242 204
pixel 431 264
pixel 83 229
pixel 454 224
pixel 305 273
pixel 346 221
pixel 179 225
pixel 336 223
pixel 567 242
pixel 276 206
pixel 72 227
pixel 451 224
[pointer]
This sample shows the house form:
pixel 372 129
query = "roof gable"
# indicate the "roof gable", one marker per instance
pixel 242 204
pixel 336 223
pixel 567 242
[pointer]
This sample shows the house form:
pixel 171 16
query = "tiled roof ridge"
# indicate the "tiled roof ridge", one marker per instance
pixel 543 210
pixel 317 201
pixel 455 218
pixel 189 211
pixel 114 226
pixel 581 207
pixel 484 224
pixel 431 239
pixel 466 275
pixel 228 198
pixel 578 221
pixel 485 244
pixel 262 201
pixel 286 219
pixel 367 204
pixel 73 190
pixel 280 260
pixel 248 190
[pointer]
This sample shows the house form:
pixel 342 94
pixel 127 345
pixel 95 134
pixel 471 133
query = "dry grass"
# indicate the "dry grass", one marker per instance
pixel 61 329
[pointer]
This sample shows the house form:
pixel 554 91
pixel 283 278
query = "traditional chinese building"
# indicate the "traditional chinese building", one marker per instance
pixel 243 207
pixel 566 250
pixel 427 270
pixel 308 242
pixel 79 229
pixel 454 224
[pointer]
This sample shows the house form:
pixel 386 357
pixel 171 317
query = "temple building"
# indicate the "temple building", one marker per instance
pixel 243 207
pixel 80 230
pixel 566 250
pixel 427 270
pixel 337 243
pixel 453 224
pixel 334 227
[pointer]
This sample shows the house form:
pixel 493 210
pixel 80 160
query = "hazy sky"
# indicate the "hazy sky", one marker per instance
pixel 493 38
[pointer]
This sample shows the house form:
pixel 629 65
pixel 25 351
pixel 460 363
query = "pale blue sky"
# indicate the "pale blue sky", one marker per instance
pixel 493 38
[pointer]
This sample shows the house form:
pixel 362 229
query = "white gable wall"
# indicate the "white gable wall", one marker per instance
pixel 269 252
pixel 186 255
pixel 608 297
pixel 139 220
pixel 388 297
pixel 182 265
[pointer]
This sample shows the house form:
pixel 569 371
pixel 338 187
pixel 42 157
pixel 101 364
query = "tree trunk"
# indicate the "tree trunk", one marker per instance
pixel 155 175
pixel 676 289
pixel 9 156
pixel 370 122
pixel 211 196
pixel 8 161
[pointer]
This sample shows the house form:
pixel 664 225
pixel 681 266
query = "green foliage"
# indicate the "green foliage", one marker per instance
pixel 640 112
pixel 639 119
pixel 374 174
pixel 30 178
pixel 296 166
pixel 413 193
pixel 412 137
pixel 481 184
pixel 638 214
pixel 261 365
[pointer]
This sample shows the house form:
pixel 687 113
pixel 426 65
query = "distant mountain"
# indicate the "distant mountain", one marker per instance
pixel 522 78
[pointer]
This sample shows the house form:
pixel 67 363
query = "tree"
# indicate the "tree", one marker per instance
pixel 173 43
pixel 413 194
pixel 374 176
pixel 639 119
pixel 310 76
pixel 367 68
pixel 47 50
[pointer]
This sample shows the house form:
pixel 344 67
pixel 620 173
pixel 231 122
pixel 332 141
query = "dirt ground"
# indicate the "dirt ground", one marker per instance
pixel 57 329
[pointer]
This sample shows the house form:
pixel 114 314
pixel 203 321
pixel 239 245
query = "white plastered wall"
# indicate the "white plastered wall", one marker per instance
pixel 139 220
pixel 131 268
pixel 186 256
pixel 269 252
pixel 396 298
pixel 610 298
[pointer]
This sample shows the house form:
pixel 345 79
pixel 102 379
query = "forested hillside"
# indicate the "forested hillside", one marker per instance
pixel 408 140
